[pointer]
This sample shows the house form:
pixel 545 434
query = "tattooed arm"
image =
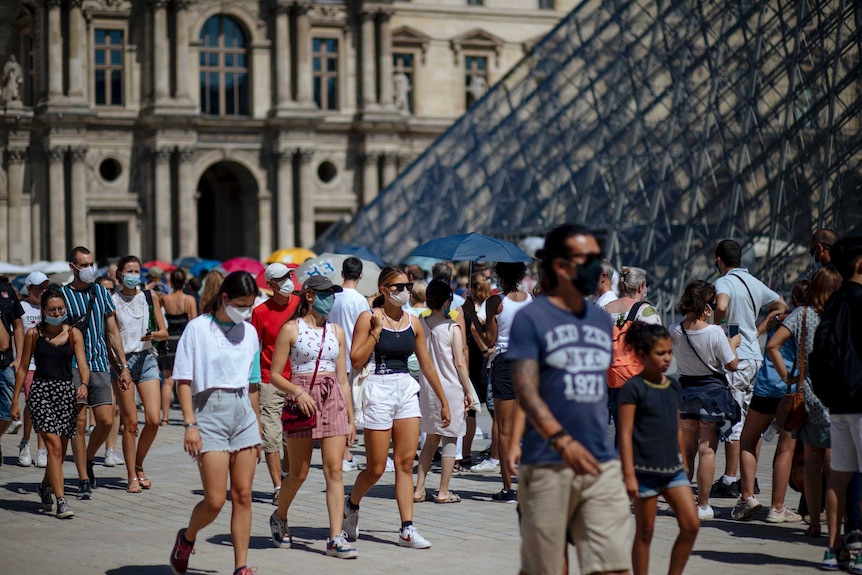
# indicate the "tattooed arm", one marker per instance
pixel 525 374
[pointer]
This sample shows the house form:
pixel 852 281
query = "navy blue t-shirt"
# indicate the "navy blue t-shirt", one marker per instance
pixel 574 353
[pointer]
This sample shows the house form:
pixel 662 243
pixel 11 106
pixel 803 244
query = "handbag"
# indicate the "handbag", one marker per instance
pixel 293 420
pixel 791 413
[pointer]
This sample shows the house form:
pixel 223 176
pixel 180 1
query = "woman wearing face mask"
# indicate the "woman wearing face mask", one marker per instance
pixel 385 337
pixel 53 397
pixel 217 359
pixel 500 310
pixel 140 324
pixel 318 382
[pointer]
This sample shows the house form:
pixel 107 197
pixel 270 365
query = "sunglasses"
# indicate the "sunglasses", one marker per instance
pixel 712 305
pixel 400 287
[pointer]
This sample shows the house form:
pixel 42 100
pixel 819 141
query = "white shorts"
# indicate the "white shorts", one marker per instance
pixel 386 398
pixel 846 441
pixel 742 387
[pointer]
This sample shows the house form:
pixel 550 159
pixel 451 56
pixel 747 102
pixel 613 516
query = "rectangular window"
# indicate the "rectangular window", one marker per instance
pixel 546 4
pixel 403 79
pixel 475 2
pixel 324 69
pixel 476 78
pixel 108 69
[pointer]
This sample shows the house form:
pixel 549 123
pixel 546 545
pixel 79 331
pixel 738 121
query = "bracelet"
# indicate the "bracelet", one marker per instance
pixel 190 425
pixel 298 395
pixel 376 338
pixel 554 440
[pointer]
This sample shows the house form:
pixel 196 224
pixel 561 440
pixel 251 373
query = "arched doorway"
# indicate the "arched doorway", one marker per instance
pixel 228 222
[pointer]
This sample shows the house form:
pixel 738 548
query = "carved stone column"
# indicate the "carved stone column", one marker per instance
pixel 181 63
pixel 285 231
pixel 282 56
pixel 306 200
pixel 370 178
pixel 161 49
pixel 15 216
pixel 390 169
pixel 56 204
pixel 303 54
pixel 385 65
pixel 76 51
pixel 162 205
pixel 367 54
pixel 78 207
pixel 264 214
pixel 55 49
pixel 188 207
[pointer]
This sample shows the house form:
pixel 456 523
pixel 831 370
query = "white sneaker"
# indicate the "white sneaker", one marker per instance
pixel 351 521
pixel 339 547
pixel 783 515
pixel 486 466
pixel 112 458
pixel 24 457
pixel 409 537
pixel 706 512
pixel 42 458
pixel 744 509
pixel 348 466
pixel 390 465
pixel 14 427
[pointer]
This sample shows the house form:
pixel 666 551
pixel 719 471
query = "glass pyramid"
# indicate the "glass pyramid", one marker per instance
pixel 667 125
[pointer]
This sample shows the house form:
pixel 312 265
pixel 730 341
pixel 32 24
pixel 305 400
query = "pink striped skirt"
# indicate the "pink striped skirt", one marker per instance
pixel 331 406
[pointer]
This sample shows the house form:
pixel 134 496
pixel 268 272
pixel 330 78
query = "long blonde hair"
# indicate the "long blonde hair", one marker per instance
pixel 212 283
pixel 480 283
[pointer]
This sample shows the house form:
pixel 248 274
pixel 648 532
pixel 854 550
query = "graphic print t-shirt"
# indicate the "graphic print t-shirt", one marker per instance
pixel 574 353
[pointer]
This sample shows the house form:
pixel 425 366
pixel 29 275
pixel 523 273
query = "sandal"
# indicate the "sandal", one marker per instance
pixel 165 423
pixel 131 489
pixel 142 479
pixel 451 497
pixel 425 497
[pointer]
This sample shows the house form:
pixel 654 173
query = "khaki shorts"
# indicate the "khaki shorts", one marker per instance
pixel 593 510
pixel 271 405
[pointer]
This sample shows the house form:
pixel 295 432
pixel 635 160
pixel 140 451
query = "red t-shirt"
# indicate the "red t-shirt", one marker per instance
pixel 267 319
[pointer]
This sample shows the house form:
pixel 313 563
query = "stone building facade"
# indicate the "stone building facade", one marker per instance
pixel 217 128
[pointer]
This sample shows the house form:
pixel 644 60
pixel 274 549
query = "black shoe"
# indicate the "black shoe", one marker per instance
pixel 721 489
pixel 84 490
pixel 63 511
pixel 510 496
pixel 90 475
pixel 756 487
pixel 45 495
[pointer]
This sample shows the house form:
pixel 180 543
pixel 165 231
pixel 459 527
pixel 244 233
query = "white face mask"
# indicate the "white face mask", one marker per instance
pixel 87 274
pixel 285 287
pixel 401 298
pixel 238 314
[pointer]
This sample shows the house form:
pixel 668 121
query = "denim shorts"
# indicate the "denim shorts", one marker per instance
pixel 7 386
pixel 226 420
pixel 143 366
pixel 651 485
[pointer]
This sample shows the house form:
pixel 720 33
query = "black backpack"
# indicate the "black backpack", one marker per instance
pixel 834 365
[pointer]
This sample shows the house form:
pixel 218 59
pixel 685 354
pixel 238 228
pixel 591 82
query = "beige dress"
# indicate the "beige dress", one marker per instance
pixel 439 342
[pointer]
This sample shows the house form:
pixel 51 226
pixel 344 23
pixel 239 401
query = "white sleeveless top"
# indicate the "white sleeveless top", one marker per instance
pixel 133 318
pixel 505 319
pixel 303 354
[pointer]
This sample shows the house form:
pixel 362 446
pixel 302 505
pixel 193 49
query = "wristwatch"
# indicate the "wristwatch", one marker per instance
pixel 554 440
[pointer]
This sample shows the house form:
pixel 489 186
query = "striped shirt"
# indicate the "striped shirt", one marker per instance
pixel 94 339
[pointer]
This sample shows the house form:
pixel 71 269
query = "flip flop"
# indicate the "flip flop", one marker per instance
pixel 426 497
pixel 131 489
pixel 142 479
pixel 451 497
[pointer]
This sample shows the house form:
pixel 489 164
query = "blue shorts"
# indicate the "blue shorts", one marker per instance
pixel 143 366
pixel 7 386
pixel 651 485
pixel 226 420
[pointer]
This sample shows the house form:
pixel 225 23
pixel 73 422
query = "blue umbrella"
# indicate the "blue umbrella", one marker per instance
pixel 204 265
pixel 471 247
pixel 360 252
pixel 186 262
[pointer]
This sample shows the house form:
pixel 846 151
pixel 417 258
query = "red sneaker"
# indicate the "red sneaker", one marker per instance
pixel 180 554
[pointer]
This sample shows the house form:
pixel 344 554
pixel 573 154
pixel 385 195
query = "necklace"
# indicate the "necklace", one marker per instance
pixel 394 326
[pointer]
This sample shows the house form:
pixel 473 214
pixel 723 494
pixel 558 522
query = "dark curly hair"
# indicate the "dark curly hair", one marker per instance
pixel 641 337
pixel 697 295
pixel 510 274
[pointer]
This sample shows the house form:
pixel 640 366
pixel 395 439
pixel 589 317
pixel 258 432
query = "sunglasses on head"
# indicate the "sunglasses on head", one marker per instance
pixel 401 287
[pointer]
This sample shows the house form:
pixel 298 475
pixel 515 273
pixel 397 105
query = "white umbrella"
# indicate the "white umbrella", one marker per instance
pixel 48 268
pixel 11 269
pixel 329 265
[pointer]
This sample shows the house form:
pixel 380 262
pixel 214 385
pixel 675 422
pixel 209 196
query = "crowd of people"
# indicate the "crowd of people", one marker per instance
pixel 573 370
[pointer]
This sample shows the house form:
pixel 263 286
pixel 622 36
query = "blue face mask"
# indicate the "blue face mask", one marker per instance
pixel 58 320
pixel 131 280
pixel 323 301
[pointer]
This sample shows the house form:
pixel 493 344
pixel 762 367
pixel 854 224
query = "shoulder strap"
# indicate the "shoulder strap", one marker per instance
pixel 633 313
pixel 319 354
pixel 750 296
pixel 694 349
pixel 148 294
pixel 72 338
pixel 802 351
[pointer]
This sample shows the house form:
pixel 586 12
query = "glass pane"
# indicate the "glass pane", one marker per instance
pixel 100 37
pixel 100 57
pixel 482 63
pixel 332 64
pixel 203 93
pixel 233 34
pixel 242 82
pixel 101 91
pixel 228 60
pixel 317 94
pixel 240 60
pixel 315 64
pixel 213 105
pixel 209 33
pixel 117 37
pixel 213 59
pixel 332 93
pixel 203 59
pixel 116 57
pixel 229 95
pixel 332 45
pixel 117 88
pixel 316 43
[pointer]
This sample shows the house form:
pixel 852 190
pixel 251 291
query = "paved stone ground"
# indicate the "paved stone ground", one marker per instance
pixel 124 534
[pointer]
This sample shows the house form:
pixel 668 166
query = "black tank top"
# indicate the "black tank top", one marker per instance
pixel 53 362
pixel 176 324
pixel 393 349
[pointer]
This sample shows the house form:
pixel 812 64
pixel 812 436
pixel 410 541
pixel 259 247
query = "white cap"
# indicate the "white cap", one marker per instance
pixel 276 271
pixel 35 279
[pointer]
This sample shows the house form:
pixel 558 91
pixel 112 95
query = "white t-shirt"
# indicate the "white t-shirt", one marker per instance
pixel 742 311
pixel 32 316
pixel 606 298
pixel 214 356
pixel 345 310
pixel 710 342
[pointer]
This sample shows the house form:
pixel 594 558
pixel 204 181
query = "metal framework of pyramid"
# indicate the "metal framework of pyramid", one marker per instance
pixel 670 125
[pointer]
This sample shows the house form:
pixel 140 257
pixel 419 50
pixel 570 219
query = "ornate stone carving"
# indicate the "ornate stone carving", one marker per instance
pixel 76 4
pixel 53 4
pixel 390 159
pixel 56 154
pixel 182 4
pixel 13 77
pixel 79 153
pixel 162 154
pixel 305 155
pixel 284 155
pixel 401 91
pixel 16 155
pixel 186 154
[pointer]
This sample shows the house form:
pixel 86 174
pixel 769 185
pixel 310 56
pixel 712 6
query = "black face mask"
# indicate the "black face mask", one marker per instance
pixel 589 275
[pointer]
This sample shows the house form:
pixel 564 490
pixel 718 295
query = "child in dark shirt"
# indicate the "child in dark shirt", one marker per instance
pixel 650 441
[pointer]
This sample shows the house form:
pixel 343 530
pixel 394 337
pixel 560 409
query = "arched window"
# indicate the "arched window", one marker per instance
pixel 224 68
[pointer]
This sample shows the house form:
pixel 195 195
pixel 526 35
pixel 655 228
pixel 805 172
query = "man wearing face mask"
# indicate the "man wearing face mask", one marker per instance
pixel 820 248
pixel 91 309
pixel 570 476
pixel 267 318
